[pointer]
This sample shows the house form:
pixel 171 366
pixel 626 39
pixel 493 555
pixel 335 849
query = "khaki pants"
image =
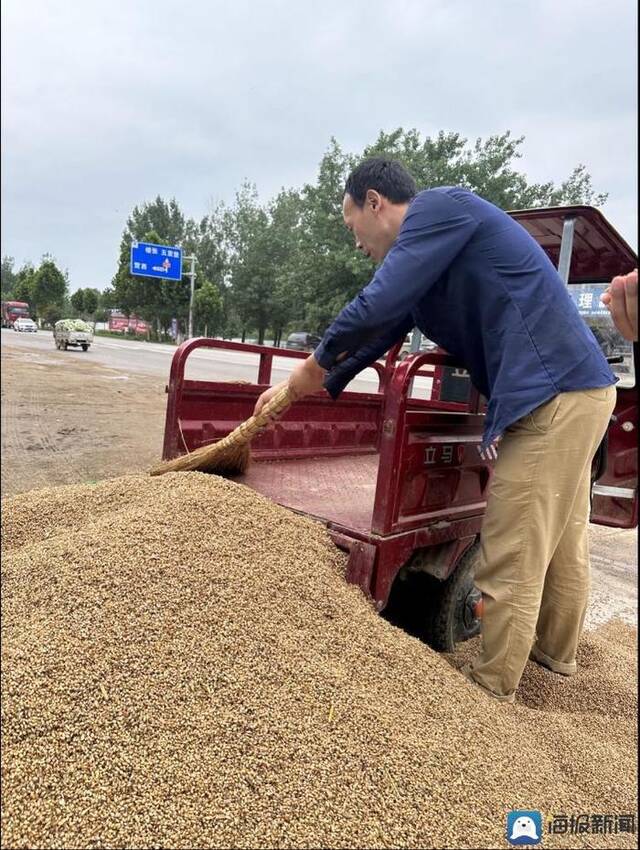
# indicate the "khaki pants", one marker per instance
pixel 533 569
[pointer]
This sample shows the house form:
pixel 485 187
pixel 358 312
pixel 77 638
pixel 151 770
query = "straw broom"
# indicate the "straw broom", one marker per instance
pixel 231 454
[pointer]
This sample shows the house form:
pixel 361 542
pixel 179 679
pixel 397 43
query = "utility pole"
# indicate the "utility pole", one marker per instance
pixel 191 274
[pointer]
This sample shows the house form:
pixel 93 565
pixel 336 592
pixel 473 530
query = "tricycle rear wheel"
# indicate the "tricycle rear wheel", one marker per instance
pixel 441 613
pixel 453 608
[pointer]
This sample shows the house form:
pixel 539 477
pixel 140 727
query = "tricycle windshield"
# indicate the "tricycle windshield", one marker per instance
pixel 614 346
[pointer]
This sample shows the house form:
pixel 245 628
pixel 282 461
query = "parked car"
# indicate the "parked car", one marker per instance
pixel 25 326
pixel 302 341
pixel 72 332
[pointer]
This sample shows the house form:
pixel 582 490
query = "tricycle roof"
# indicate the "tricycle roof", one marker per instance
pixel 599 252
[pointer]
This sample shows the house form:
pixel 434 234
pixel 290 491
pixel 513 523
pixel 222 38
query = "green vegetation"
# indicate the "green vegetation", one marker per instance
pixel 265 269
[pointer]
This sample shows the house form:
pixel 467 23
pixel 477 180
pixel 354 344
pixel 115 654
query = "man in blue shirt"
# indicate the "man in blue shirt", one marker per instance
pixel 476 283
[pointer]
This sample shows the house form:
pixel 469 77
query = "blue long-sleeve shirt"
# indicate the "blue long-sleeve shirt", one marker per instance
pixel 476 283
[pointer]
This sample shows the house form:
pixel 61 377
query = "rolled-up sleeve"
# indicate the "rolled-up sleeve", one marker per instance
pixel 434 231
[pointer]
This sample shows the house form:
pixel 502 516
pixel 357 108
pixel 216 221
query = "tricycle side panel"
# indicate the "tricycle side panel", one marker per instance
pixel 430 467
pixel 437 472
pixel 208 411
pixel 200 412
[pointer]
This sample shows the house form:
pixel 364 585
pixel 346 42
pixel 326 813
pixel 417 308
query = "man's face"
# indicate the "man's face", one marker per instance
pixel 369 224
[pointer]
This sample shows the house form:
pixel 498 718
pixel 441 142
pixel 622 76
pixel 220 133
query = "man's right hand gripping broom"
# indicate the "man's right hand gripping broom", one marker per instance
pixel 307 378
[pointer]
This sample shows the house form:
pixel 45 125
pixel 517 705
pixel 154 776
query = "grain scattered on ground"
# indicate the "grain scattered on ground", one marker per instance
pixel 183 665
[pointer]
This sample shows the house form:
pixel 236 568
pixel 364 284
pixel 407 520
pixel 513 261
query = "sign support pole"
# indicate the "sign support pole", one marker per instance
pixel 192 275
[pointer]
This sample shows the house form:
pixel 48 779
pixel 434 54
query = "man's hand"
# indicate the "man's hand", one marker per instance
pixel 621 299
pixel 267 395
pixel 307 378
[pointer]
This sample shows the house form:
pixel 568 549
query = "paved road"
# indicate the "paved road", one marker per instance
pixel 148 358
pixel 132 357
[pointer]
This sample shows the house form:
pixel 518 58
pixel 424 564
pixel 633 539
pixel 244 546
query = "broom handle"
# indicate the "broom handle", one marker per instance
pixel 249 429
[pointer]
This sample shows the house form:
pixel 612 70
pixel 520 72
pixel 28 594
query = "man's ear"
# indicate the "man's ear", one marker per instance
pixel 373 200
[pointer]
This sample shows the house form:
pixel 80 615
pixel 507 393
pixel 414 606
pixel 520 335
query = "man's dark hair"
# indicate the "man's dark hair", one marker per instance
pixel 387 176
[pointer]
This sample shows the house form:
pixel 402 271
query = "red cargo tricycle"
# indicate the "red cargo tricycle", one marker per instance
pixel 397 478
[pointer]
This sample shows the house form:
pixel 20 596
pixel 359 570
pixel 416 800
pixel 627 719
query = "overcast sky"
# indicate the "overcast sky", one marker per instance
pixel 107 104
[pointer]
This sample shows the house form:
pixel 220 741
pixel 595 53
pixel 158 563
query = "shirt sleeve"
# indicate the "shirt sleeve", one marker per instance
pixel 433 233
pixel 346 370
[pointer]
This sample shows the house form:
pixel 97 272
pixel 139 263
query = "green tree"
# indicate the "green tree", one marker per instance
pixel 48 289
pixel 206 240
pixel 106 302
pixel 77 300
pixel 107 299
pixel 329 270
pixel 85 302
pixel 22 287
pixel 50 313
pixel 7 278
pixel 486 167
pixel 207 308
pixel 287 246
pixel 251 273
pixel 91 301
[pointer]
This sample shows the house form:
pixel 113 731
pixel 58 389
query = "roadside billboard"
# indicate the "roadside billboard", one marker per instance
pixel 120 323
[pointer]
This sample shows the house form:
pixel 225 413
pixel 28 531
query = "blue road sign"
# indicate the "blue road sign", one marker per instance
pixel 149 260
pixel 587 299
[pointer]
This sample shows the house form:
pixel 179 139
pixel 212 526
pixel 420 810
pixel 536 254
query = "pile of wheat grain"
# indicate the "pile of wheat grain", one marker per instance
pixel 183 665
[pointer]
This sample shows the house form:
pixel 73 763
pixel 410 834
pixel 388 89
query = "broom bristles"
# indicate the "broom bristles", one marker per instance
pixel 231 454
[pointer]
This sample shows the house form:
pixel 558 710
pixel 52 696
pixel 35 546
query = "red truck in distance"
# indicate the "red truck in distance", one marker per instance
pixel 12 310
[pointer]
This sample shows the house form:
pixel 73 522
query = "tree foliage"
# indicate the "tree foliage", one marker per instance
pixel 85 302
pixel 77 300
pixel 207 309
pixel 48 286
pixel 266 269
pixel 7 278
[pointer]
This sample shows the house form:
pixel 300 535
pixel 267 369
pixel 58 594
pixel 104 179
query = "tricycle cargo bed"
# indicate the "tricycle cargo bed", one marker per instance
pixel 336 490
pixel 387 472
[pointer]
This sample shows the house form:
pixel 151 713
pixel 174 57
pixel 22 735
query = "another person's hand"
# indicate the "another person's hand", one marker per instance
pixel 621 299
pixel 307 378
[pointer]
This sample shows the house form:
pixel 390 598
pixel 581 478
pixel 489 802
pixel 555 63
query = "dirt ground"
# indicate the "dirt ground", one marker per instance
pixel 69 419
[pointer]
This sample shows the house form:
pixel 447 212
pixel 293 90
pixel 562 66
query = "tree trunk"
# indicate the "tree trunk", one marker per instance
pixel 206 329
